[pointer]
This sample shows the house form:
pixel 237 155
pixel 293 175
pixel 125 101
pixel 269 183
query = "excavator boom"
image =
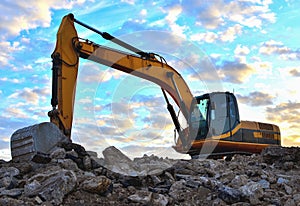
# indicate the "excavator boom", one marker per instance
pixel 69 48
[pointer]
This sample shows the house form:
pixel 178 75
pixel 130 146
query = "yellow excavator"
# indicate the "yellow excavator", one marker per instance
pixel 213 123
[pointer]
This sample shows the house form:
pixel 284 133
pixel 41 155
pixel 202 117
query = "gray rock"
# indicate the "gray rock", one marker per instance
pixel 296 198
pixel 239 181
pixel 141 196
pixel 12 201
pixel 281 180
pixel 16 192
pixel 38 200
pixel 230 195
pixel 288 189
pixel 87 162
pixel 51 186
pixel 7 177
pixel 159 200
pixel 264 184
pixel 58 153
pixel 117 162
pixel 9 171
pixel 290 202
pixel 96 162
pixel 68 164
pixel 7 182
pixel 97 185
pixel 288 165
pixel 179 191
pixel 252 191
pixel 92 154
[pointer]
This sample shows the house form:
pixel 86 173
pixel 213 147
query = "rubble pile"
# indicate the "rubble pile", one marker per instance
pixel 74 176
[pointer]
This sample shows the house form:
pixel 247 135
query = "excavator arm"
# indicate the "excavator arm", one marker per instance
pixel 69 48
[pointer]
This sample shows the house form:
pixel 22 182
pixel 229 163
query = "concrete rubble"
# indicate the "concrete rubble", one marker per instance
pixel 75 176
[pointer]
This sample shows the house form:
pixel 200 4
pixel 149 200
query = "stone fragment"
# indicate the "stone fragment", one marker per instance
pixel 9 171
pixel 288 189
pixel 141 196
pixel 51 186
pixel 117 162
pixel 14 193
pixel 131 181
pixel 264 184
pixel 12 201
pixel 38 200
pixel 7 177
pixel 290 202
pixel 96 162
pixel 230 195
pixel 87 163
pixel 159 200
pixel 281 180
pixel 179 191
pixel 92 153
pixel 58 153
pixel 296 198
pixel 24 167
pixel 288 166
pixel 239 181
pixel 97 185
pixel 252 191
pixel 68 164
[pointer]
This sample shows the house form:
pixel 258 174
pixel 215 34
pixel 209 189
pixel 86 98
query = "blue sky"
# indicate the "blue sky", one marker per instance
pixel 250 47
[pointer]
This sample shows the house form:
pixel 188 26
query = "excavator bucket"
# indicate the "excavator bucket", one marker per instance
pixel 35 143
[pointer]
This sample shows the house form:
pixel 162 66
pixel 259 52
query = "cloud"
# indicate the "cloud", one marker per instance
pixel 91 72
pixel 285 112
pixel 295 72
pixel 25 15
pixel 143 12
pixel 230 34
pixel 241 50
pixel 216 13
pixel 256 99
pixel 278 48
pixel 173 12
pixel 291 140
pixel 208 37
pixel 131 2
pixel 14 112
pixel 14 80
pixel 6 48
pixel 287 115
pixel 31 95
pixel 227 35
pixel 235 71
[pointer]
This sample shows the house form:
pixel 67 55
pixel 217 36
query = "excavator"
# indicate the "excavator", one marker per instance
pixel 213 125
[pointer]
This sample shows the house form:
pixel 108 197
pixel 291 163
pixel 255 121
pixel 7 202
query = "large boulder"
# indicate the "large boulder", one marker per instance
pixel 51 186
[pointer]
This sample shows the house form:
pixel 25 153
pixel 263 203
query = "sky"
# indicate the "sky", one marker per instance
pixel 249 47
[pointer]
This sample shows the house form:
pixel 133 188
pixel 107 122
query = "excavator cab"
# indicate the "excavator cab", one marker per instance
pixel 215 114
pixel 215 129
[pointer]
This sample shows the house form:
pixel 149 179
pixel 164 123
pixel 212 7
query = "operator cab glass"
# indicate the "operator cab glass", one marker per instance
pixel 214 114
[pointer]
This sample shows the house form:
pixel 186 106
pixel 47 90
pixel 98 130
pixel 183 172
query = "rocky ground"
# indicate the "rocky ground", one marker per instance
pixel 73 176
